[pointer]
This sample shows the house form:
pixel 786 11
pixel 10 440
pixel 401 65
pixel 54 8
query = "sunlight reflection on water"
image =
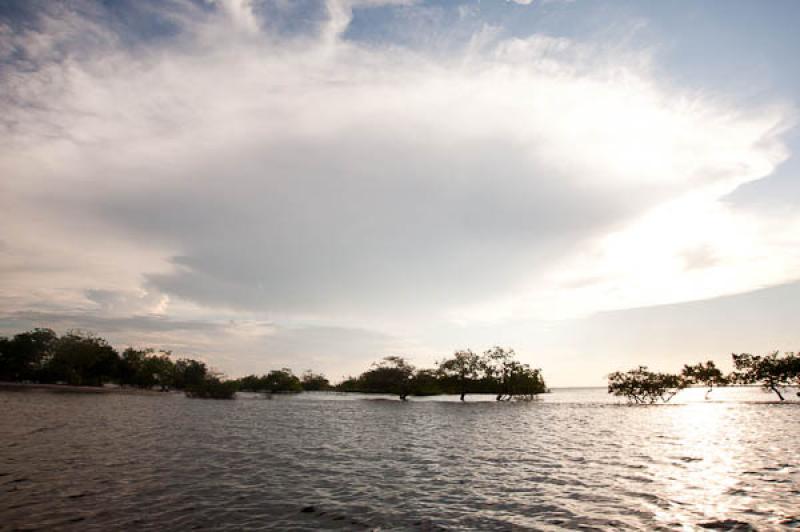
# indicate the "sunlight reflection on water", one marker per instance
pixel 573 459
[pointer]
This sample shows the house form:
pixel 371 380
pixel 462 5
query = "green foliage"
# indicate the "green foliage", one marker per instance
pixel 130 367
pixel 525 382
pixel 158 370
pixel 23 356
pixel 276 381
pixel 496 372
pixel 314 382
pixel 250 383
pixel 499 364
pixel 82 359
pixel 212 388
pixel 145 368
pixel 642 386
pixel 462 372
pixel 426 382
pixel 187 372
pixel 350 384
pixel 773 371
pixel 282 380
pixel 392 375
pixel 510 378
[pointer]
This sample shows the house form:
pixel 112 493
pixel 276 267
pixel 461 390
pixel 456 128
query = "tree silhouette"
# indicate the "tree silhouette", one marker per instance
pixel 465 367
pixel 499 365
pixel 392 375
pixel 314 382
pixel 773 371
pixel 282 380
pixel 524 381
pixel 642 386
pixel 23 356
pixel 212 387
pixel 187 372
pixel 707 374
pixel 81 358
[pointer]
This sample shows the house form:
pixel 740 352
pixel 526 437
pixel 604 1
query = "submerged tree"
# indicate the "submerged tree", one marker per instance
pixel 499 363
pixel 314 382
pixel 426 382
pixel 213 387
pixel 794 369
pixel 82 358
pixel 276 381
pixel 250 383
pixel 187 372
pixel 642 386
pixel 706 374
pixel 281 381
pixel 465 368
pixel 525 382
pixel 508 378
pixel 773 371
pixel 148 368
pixel 392 375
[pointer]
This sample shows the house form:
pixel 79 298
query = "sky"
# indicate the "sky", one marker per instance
pixel 316 184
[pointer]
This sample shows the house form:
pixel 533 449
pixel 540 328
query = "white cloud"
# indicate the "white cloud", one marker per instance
pixel 684 250
pixel 227 171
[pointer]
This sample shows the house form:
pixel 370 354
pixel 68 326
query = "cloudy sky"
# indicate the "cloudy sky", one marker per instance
pixel 317 184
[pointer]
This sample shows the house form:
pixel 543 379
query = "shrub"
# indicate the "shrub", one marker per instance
pixel 213 388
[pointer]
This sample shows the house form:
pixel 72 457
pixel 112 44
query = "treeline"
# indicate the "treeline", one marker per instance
pixel 84 359
pixel 496 372
pixel 284 381
pixel 773 372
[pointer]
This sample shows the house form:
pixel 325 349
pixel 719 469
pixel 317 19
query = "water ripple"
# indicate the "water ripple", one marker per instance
pixel 100 462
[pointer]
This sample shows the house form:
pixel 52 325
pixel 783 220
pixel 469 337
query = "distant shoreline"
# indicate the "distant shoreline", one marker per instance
pixel 69 388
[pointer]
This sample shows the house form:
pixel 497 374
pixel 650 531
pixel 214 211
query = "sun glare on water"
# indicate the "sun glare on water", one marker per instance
pixel 699 460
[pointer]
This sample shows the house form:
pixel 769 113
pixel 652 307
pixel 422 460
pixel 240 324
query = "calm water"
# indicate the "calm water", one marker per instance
pixel 574 459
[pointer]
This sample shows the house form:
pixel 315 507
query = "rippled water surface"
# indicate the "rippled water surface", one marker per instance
pixel 323 461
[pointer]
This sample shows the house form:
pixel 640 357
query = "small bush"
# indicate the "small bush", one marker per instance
pixel 213 388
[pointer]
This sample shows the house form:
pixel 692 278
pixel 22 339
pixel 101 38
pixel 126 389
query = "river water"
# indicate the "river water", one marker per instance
pixel 574 459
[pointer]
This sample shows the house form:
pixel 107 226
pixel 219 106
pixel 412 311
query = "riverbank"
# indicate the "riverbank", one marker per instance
pixel 68 388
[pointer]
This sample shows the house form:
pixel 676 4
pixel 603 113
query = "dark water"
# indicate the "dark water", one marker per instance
pixel 110 461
